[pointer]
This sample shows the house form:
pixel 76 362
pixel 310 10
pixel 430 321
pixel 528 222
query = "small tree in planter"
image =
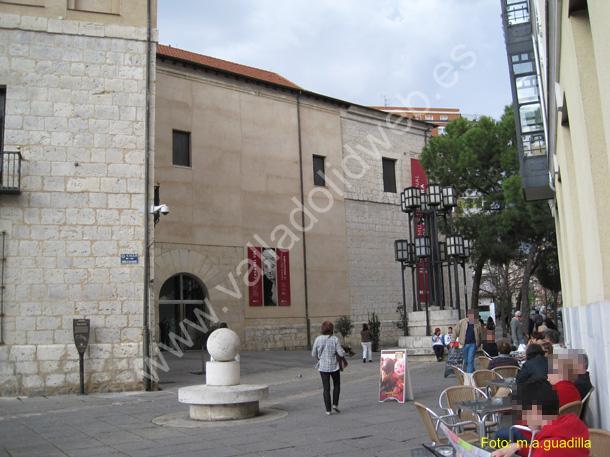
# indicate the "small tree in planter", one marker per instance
pixel 375 329
pixel 344 326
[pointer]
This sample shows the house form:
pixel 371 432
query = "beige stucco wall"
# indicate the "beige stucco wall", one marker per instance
pixel 583 193
pixel 243 185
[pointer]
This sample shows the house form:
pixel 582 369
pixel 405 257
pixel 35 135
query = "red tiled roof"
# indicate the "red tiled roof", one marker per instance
pixel 224 65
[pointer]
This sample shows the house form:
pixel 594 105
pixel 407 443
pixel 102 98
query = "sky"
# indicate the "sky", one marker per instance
pixel 438 53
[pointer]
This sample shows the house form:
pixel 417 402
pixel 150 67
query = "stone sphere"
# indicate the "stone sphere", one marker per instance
pixel 223 345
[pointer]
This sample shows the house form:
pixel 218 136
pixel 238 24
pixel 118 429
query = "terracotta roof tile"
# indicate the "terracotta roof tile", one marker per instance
pixel 224 65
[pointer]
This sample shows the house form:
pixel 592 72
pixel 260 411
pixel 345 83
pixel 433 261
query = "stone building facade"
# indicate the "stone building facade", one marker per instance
pixel 74 77
pixel 373 217
pixel 254 138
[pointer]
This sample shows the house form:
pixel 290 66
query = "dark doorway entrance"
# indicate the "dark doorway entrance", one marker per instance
pixel 180 296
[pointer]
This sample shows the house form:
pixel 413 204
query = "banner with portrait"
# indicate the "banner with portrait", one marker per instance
pixel 394 381
pixel 269 276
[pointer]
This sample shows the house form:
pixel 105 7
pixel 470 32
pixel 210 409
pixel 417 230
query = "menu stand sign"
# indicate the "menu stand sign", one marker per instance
pixel 81 329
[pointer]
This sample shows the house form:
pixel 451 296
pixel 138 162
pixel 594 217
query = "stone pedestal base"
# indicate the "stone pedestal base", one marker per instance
pixel 224 412
pixel 216 403
pixel 222 373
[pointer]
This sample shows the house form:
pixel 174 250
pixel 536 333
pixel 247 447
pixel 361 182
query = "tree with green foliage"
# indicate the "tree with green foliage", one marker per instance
pixel 479 159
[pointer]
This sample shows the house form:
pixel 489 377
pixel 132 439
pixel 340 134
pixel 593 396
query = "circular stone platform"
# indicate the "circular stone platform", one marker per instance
pixel 182 419
pixel 219 403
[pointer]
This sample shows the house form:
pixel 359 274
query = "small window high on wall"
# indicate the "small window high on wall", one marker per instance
pixel 319 177
pixel 181 148
pixel 389 175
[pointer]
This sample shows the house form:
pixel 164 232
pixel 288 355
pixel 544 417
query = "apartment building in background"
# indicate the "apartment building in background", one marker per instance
pixel 438 117
pixel 559 61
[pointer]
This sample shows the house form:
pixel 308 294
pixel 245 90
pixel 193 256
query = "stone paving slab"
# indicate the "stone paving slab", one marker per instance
pixel 121 424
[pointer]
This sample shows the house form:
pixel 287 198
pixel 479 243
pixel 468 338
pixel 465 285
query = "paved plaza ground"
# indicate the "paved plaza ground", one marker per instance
pixel 121 424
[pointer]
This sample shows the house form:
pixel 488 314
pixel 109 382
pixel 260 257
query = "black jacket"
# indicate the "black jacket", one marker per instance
pixel 535 368
pixel 583 384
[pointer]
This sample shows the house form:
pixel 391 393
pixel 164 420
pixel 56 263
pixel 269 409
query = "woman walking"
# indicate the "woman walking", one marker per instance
pixel 326 348
pixel 367 343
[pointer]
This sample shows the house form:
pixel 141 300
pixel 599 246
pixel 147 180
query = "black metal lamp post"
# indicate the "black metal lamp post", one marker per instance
pixel 423 250
pixel 403 253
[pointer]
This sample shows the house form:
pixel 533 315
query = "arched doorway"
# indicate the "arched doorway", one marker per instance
pixel 180 296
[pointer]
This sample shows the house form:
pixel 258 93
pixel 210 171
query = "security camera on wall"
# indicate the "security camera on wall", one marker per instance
pixel 159 209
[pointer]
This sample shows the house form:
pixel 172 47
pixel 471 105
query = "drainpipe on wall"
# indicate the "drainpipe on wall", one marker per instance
pixel 145 310
pixel 2 266
pixel 307 321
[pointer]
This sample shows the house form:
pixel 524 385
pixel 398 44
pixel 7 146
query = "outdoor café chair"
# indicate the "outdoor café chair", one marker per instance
pixel 585 402
pixel 483 362
pixel 481 378
pixel 574 407
pixel 450 398
pixel 459 375
pixel 523 428
pixel 507 372
pixel 431 422
pixel 600 442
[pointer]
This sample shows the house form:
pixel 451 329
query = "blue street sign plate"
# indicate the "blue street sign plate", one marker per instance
pixel 129 259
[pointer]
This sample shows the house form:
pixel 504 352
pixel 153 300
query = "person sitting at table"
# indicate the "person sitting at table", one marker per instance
pixel 552 336
pixel 536 338
pixel 536 365
pixel 489 345
pixel 582 380
pixel 539 407
pixel 562 372
pixel 503 359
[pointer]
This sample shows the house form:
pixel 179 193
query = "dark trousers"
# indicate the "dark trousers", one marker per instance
pixel 336 375
pixel 438 350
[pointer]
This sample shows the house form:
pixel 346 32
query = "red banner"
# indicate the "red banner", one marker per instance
pixel 283 277
pixel 255 286
pixel 419 179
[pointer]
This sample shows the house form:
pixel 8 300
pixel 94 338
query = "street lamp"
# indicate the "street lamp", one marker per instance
pixel 412 196
pixel 404 253
pixel 423 251
pixel 435 195
pixel 449 198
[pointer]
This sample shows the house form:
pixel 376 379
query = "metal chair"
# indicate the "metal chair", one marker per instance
pixel 481 379
pixel 574 407
pixel 585 402
pixel 600 442
pixel 459 375
pixel 523 428
pixel 431 422
pixel 483 362
pixel 507 372
pixel 451 396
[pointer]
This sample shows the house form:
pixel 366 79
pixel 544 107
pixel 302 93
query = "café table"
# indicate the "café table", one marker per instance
pixel 482 408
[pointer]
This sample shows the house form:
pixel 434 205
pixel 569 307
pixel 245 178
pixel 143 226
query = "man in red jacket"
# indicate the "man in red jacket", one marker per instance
pixel 562 373
pixel 557 436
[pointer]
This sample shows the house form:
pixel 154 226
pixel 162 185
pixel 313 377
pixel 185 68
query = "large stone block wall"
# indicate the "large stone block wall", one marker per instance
pixel 75 108
pixel 374 276
pixel 373 217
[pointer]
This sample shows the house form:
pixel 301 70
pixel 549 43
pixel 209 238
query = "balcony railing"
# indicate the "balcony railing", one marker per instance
pixel 10 172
